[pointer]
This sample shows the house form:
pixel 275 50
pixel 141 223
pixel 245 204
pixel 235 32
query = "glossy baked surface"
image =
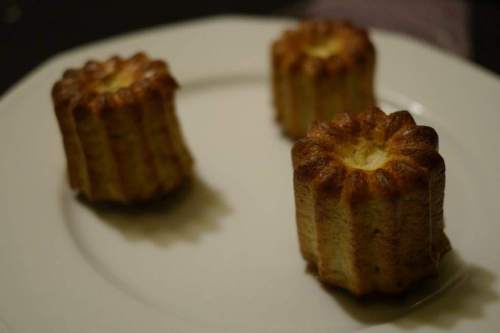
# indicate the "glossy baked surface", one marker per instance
pixel 319 69
pixel 369 194
pixel 121 136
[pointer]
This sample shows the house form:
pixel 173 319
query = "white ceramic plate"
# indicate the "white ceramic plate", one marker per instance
pixel 222 256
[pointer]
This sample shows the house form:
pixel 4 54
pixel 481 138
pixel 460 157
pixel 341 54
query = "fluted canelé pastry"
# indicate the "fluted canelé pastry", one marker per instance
pixel 369 195
pixel 320 69
pixel 121 135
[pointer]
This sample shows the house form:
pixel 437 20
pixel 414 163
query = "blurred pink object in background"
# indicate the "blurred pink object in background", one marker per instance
pixel 444 23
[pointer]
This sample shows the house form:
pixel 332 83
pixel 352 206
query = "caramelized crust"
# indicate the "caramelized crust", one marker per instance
pixel 369 195
pixel 121 135
pixel 319 69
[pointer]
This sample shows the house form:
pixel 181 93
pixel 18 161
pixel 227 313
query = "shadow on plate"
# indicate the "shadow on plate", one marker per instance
pixel 186 214
pixel 460 291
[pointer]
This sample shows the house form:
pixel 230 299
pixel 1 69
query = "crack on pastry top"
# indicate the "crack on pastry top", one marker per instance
pixel 368 153
pixel 363 154
pixel 325 48
pixel 115 80
pixel 322 46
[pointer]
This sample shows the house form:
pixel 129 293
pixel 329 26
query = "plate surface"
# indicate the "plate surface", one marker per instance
pixel 221 254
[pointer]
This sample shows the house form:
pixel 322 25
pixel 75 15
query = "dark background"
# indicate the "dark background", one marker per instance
pixel 31 30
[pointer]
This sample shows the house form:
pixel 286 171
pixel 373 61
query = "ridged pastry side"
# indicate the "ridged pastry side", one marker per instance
pixel 312 86
pixel 121 136
pixel 378 226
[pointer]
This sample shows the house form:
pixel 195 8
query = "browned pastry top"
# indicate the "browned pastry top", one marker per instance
pixel 322 46
pixel 368 155
pixel 117 79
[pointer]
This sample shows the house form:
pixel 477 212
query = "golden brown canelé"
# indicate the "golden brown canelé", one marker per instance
pixel 369 193
pixel 319 69
pixel 120 132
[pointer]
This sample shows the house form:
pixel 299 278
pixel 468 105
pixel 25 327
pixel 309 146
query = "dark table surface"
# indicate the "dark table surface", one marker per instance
pixel 33 30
